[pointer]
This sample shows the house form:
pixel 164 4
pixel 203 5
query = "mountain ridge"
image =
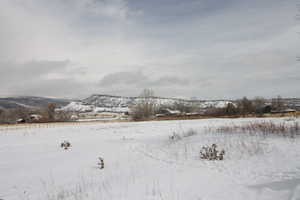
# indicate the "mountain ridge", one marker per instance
pixel 110 103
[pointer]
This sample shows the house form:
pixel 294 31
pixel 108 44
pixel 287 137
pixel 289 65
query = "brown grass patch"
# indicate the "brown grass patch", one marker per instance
pixel 264 127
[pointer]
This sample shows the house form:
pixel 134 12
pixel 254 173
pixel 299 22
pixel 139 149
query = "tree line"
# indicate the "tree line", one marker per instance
pixel 48 113
pixel 146 107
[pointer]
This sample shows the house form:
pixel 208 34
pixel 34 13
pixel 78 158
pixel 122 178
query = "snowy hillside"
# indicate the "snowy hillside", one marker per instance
pixel 215 104
pixel 119 104
pixel 108 103
pixel 142 162
pixel 78 107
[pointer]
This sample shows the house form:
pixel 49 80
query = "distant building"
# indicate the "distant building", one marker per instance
pixel 74 117
pixel 35 117
pixel 21 120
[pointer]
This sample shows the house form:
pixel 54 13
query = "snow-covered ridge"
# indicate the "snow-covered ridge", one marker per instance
pixel 82 107
pixel 120 104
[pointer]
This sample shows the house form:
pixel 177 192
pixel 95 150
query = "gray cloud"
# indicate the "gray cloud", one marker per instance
pixel 45 78
pixel 203 48
pixel 139 78
pixel 62 87
pixel 136 81
pixel 170 80
pixel 124 78
pixel 13 71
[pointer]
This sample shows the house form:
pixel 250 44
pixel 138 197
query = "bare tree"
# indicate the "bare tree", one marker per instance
pixel 245 106
pixel 22 113
pixel 259 104
pixel 8 117
pixel 147 93
pixel 2 116
pixel 145 106
pixel 277 103
pixel 63 116
pixel 51 111
pixel 184 107
pixel 230 109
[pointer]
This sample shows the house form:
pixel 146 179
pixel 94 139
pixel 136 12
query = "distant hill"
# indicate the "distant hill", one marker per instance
pixel 30 102
pixel 110 103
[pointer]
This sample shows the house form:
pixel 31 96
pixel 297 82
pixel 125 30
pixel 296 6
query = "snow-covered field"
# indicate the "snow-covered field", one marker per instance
pixel 142 162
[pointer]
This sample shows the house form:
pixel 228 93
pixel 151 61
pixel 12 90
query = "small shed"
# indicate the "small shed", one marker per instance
pixel 35 117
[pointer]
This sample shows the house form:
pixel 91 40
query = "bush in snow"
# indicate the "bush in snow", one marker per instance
pixel 101 163
pixel 65 144
pixel 211 153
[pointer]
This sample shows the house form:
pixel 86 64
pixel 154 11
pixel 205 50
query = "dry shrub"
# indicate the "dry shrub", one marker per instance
pixel 65 145
pixel 101 163
pixel 264 127
pixel 211 153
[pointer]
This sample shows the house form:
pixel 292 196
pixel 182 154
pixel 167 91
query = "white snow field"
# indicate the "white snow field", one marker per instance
pixel 142 162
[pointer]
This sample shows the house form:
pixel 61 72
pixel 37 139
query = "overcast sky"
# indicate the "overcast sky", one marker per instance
pixel 210 49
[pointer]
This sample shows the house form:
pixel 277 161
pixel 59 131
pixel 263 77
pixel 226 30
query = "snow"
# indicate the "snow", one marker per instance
pixel 216 104
pixel 118 104
pixel 78 107
pixel 141 162
pixel 113 109
pixel 81 107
